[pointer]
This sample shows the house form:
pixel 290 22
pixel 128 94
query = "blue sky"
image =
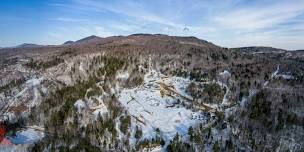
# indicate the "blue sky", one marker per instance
pixel 228 23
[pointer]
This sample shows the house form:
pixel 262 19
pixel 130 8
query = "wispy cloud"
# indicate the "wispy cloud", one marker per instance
pixel 261 16
pixel 135 10
pixel 290 42
pixel 99 30
pixel 125 27
pixel 68 19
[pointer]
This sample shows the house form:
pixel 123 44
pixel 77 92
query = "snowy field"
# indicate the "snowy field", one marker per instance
pixel 151 109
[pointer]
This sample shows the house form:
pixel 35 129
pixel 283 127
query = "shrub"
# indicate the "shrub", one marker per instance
pixel 125 123
pixel 138 133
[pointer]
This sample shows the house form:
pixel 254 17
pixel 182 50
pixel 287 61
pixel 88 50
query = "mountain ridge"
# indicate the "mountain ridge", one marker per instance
pixel 95 39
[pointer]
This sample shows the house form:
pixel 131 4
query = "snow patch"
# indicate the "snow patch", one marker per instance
pixel 225 73
pixel 287 77
pixel 154 149
pixel 101 109
pixel 123 75
pixel 79 105
pixel 274 74
pixel 81 67
pixel 65 79
pixel 34 82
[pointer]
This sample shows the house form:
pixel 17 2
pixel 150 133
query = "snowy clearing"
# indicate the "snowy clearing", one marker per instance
pixel 152 105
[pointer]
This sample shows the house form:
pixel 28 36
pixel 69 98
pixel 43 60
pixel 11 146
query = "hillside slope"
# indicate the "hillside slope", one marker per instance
pixel 147 92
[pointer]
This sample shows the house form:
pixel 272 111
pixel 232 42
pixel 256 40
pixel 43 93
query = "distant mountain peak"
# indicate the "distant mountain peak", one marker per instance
pixel 68 42
pixel 88 38
pixel 91 38
pixel 28 45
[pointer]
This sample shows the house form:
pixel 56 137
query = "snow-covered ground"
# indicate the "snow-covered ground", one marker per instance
pixel 79 105
pixel 153 149
pixel 225 98
pixel 276 74
pixel 123 75
pixel 34 82
pixel 30 95
pixel 225 74
pixel 151 109
pixel 100 109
